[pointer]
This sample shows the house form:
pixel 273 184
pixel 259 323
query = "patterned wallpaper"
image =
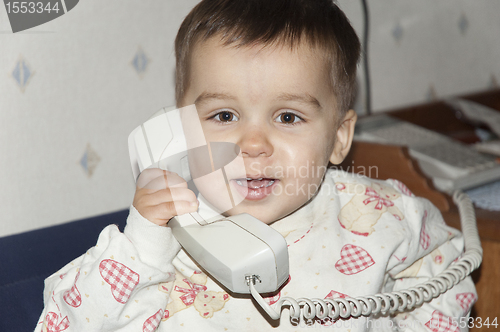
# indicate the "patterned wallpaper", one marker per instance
pixel 425 50
pixel 72 89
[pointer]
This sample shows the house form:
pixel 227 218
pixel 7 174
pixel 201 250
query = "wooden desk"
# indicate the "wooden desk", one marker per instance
pixel 439 117
pixel 395 162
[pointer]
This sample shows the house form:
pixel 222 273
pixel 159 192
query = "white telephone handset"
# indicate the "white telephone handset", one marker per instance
pixel 235 249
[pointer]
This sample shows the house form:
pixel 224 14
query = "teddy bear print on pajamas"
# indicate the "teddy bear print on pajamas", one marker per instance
pixel 192 292
pixel 367 205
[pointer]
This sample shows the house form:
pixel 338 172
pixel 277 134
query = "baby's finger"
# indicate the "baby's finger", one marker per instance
pixel 181 207
pixel 162 213
pixel 175 180
pixel 169 195
pixel 149 175
pixel 161 180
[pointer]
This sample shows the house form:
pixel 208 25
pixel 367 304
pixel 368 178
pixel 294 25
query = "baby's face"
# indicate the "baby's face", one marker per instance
pixel 277 106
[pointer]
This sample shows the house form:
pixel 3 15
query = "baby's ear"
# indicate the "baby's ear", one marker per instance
pixel 344 136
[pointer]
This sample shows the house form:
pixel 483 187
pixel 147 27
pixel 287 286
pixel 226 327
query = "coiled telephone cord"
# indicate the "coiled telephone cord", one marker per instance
pixel 398 301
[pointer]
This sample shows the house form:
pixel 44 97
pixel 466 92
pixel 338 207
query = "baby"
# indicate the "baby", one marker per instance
pixel 276 78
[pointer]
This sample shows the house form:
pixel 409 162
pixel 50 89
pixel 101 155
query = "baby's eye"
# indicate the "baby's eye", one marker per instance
pixel 225 116
pixel 288 118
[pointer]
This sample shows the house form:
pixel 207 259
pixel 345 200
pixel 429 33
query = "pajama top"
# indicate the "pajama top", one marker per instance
pixel 357 236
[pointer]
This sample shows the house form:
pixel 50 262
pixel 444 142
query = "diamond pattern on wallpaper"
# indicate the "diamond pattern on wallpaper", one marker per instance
pixel 463 24
pixel 397 32
pixel 493 82
pixel 140 62
pixel 22 73
pixel 431 93
pixel 89 160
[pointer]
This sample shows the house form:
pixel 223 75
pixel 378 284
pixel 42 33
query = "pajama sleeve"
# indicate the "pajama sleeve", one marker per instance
pixel 114 285
pixel 431 248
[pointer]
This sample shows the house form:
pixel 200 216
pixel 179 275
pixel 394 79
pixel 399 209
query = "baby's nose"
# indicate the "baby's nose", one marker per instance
pixel 255 143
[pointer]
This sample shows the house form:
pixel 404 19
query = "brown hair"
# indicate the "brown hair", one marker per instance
pixel 269 22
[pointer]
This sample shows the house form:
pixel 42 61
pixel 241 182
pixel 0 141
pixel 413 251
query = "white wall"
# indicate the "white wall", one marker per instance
pixel 427 49
pixel 82 94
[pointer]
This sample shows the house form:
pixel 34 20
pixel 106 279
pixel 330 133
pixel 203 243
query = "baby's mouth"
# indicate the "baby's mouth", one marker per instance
pixel 255 183
pixel 255 188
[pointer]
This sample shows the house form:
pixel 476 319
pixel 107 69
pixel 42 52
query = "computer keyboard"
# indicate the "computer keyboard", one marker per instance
pixel 451 164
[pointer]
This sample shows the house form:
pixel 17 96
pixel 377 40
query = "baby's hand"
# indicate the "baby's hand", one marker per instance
pixel 161 195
